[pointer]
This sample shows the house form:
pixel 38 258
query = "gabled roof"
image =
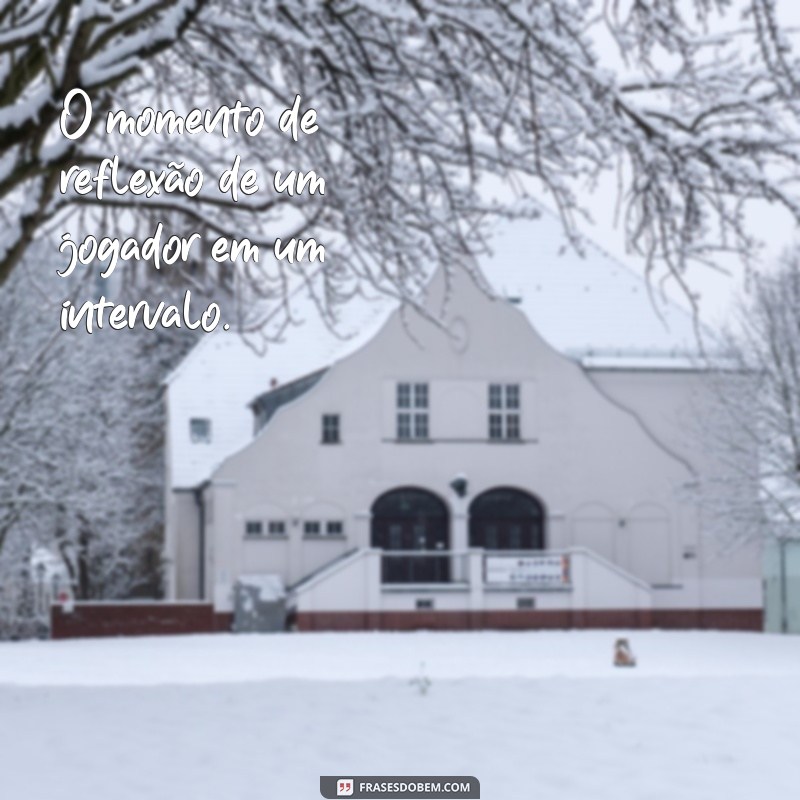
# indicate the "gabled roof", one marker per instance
pixel 589 307
pixel 221 377
pixel 304 348
pixel 585 305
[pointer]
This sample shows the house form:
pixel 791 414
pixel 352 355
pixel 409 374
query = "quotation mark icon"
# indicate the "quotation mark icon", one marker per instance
pixel 344 787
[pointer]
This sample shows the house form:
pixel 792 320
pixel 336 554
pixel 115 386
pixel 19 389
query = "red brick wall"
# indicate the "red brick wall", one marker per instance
pixel 723 619
pixel 136 619
pixel 736 619
pixel 147 619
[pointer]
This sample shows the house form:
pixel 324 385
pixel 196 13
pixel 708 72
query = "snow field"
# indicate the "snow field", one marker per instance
pixel 532 715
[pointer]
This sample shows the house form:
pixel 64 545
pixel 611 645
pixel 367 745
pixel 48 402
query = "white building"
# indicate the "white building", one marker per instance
pixel 529 464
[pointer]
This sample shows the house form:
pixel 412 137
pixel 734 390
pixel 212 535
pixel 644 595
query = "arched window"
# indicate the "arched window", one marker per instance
pixel 506 519
pixel 412 519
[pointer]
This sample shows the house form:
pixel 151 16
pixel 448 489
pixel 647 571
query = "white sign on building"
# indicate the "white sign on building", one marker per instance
pixel 547 572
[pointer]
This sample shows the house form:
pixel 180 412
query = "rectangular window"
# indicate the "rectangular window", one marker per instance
pixel 404 426
pixel 200 430
pixel 253 528
pixel 512 395
pixel 412 414
pixel 330 429
pixel 311 528
pixel 276 527
pixel 404 395
pixel 334 527
pixel 504 416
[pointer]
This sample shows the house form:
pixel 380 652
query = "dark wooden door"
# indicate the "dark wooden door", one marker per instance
pixel 411 519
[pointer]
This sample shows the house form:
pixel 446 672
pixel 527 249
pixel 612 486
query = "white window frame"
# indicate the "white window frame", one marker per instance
pixel 505 412
pixel 412 401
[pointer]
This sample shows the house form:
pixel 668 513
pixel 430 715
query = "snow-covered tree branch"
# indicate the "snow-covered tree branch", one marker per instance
pixel 423 105
pixel 48 47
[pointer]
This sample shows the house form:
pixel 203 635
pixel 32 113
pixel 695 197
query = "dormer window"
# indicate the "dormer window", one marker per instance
pixel 200 430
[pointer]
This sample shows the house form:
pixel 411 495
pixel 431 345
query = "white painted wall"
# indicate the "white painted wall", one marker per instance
pixel 353 584
pixel 593 452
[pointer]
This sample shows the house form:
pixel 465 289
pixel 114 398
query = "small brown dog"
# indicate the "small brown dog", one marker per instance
pixel 623 656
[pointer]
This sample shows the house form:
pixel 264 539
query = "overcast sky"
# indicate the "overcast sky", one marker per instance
pixel 717 291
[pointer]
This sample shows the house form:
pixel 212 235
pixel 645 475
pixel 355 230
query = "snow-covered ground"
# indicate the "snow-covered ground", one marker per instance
pixel 532 715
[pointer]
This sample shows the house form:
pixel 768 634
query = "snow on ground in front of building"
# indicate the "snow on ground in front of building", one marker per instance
pixel 222 658
pixel 532 715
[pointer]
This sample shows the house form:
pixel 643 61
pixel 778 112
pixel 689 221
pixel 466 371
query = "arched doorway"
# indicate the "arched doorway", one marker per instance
pixel 506 519
pixel 411 519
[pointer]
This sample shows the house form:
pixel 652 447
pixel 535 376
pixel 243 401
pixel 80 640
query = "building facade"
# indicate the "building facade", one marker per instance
pixel 468 474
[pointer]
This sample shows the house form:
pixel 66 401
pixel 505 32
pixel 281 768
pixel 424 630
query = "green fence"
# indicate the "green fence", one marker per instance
pixel 782 586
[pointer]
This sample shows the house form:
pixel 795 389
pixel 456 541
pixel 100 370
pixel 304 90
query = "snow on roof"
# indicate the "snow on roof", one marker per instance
pixel 223 374
pixel 305 348
pixel 644 362
pixel 588 307
pixel 584 305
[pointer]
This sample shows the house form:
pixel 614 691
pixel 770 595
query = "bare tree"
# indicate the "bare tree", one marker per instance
pixel 754 426
pixel 419 103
